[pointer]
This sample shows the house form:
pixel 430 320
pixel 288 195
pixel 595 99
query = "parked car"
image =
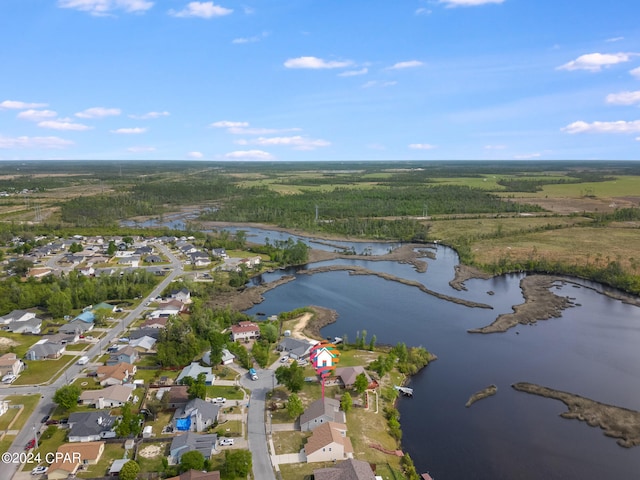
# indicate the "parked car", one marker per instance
pixel 30 444
pixel 225 442
pixel 45 418
pixel 52 422
pixel 219 401
pixel 284 359
pixel 39 470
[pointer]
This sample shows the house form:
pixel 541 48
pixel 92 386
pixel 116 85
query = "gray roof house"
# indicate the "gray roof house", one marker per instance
pixel 88 426
pixel 227 357
pixel 126 354
pixel 145 343
pixel 76 326
pixel 321 411
pixel 205 444
pixel 112 396
pixel 44 349
pixel 294 347
pixel 196 416
pixel 145 332
pixel 194 370
pixel 16 316
pixel 350 469
pixel 31 325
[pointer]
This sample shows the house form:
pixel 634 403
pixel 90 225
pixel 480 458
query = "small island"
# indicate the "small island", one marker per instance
pixel 484 393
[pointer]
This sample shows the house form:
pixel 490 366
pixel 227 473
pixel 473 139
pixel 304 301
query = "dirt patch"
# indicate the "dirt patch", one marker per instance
pixel 540 304
pixel 151 451
pixel 484 393
pixel 464 273
pixel 617 422
pixel 247 298
pixel 7 343
pixel 321 318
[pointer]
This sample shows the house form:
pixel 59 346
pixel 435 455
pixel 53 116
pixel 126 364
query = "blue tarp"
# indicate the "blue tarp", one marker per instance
pixel 183 424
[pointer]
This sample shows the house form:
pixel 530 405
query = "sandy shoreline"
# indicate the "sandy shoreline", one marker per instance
pixel 617 422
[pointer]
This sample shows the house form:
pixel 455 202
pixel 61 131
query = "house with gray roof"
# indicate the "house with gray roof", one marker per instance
pixel 145 343
pixel 89 426
pixel 194 370
pixel 145 332
pixel 16 316
pixel 296 348
pixel 350 469
pixel 76 326
pixel 126 354
pixel 31 325
pixel 227 357
pixel 205 444
pixel 43 349
pixel 321 411
pixel 196 416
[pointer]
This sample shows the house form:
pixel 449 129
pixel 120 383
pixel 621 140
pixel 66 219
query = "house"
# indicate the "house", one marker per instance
pixel 227 357
pixel 187 442
pixel 16 316
pixel 31 325
pixel 144 250
pixel 89 426
pixel 43 349
pixel 86 316
pixel 103 306
pixel 126 354
pixel 350 469
pixel 145 332
pixel 296 348
pixel 348 375
pixel 199 259
pixel 112 396
pixel 327 443
pixel 76 326
pixel 10 364
pixel 186 248
pixel 194 370
pixel 320 412
pixel 197 475
pixel 63 338
pixel 177 396
pixel 70 457
pixel 132 261
pixel 155 322
pixel 153 259
pixel 116 374
pixel 4 407
pixel 183 295
pixel 143 343
pixel 116 466
pixel 39 272
pixel 244 331
pixel 196 416
pixel 88 271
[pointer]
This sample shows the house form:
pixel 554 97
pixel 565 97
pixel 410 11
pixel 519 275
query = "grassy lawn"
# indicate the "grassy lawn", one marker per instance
pixel 224 373
pixel 49 442
pixel 86 383
pixel 299 471
pixel 163 419
pixel 228 392
pixel 41 371
pixel 153 464
pixel 22 342
pixel 112 451
pixel 77 347
pixel 6 442
pixel 232 428
pixel 7 418
pixel 289 442
pixel 148 375
pixel 29 402
pixel 353 357
pixel 148 361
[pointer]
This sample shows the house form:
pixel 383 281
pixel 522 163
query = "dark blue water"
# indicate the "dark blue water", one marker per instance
pixel 592 350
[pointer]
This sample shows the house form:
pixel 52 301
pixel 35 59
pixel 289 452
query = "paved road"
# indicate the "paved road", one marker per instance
pixel 46 405
pixel 256 427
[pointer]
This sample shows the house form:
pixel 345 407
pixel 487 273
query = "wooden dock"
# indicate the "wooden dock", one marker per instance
pixel 407 392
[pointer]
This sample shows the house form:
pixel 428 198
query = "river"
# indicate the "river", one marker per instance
pixel 590 351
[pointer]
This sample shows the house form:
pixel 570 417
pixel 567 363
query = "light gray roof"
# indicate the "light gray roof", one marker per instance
pixel 348 470
pixel 45 349
pixel 294 345
pixel 205 409
pixel 193 441
pixel 328 407
pixel 75 326
pixel 30 324
pixel 84 424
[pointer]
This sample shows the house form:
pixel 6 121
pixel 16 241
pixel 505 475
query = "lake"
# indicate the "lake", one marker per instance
pixel 592 350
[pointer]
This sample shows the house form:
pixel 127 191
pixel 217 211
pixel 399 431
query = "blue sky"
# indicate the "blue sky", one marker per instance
pixel 319 79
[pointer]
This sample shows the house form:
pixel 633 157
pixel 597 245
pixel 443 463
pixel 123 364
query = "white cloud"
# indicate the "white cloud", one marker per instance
pixel 614 39
pixel 37 115
pixel 624 98
pixel 354 73
pixel 34 142
pixel 407 64
pixel 316 63
pixel 130 131
pixel 253 39
pixel 297 142
pixel 228 124
pixel 495 147
pixel 150 115
pixel 527 156
pixel 101 8
pixel 195 155
pixel 423 11
pixel 635 72
pixel 249 155
pixel 468 3
pixel 64 125
pixel 620 126
pixel 376 83
pixel 99 112
pixel 201 10
pixel 16 105
pixel 594 62
pixel 421 146
pixel 141 149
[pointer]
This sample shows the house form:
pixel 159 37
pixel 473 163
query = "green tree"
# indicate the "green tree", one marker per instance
pixel 130 424
pixel 294 406
pixel 129 470
pixel 217 341
pixel 237 464
pixel 67 396
pixel 361 383
pixel 193 460
pixel 111 249
pixel 346 402
pixel 269 332
pixel 291 377
pixel 372 343
pixel 21 266
pixel 197 386
pixel 59 303
pixel 75 248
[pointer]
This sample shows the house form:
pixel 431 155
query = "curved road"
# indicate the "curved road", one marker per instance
pixel 46 405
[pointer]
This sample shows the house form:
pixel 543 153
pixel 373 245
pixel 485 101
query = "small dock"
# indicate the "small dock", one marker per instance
pixel 407 392
pixel 426 476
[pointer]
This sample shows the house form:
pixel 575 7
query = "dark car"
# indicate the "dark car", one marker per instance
pixel 52 422
pixel 45 419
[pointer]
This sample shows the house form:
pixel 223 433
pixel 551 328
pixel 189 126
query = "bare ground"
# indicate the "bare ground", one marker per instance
pixel 617 422
pixel 247 298
pixel 484 393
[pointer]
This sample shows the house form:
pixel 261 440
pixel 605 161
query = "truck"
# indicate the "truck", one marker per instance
pixel 83 360
pixel 253 374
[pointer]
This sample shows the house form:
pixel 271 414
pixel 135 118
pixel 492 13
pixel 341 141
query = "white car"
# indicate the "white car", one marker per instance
pixel 39 470
pixel 225 442
pixel 284 359
pixel 9 378
pixel 219 401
